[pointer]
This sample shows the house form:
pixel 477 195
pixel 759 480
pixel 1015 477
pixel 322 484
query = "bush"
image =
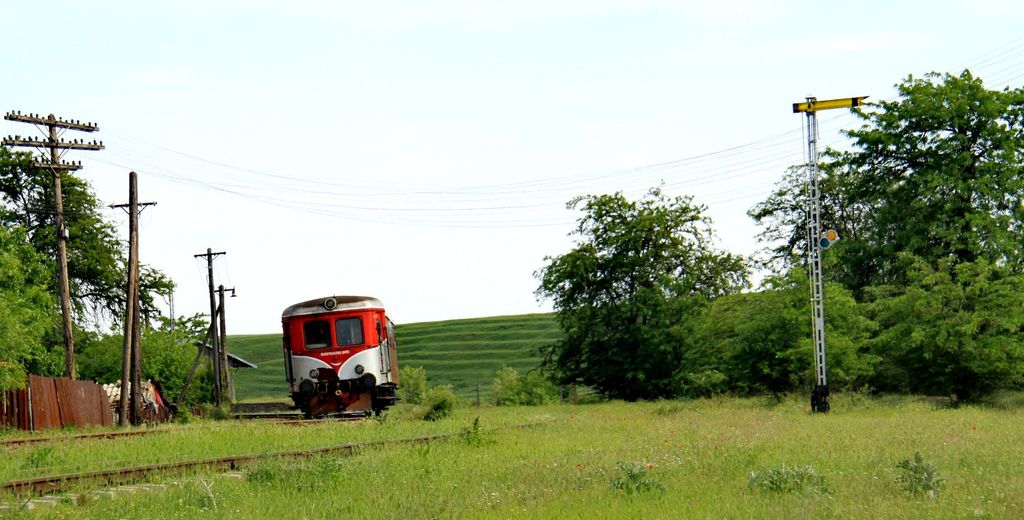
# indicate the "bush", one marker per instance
pixel 413 385
pixel 509 389
pixel 506 388
pixel 440 402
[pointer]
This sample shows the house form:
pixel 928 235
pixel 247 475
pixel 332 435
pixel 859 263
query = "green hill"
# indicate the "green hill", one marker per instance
pixel 461 353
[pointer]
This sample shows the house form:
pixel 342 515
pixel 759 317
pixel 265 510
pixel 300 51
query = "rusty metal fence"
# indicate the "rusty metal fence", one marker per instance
pixel 49 402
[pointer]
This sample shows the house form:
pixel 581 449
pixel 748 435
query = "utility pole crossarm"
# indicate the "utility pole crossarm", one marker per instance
pixel 63 165
pixel 127 206
pixel 51 120
pixel 60 145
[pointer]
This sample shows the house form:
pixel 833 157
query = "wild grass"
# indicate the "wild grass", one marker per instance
pixel 693 460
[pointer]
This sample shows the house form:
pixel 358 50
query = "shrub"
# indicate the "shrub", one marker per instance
pixel 440 402
pixel 509 389
pixel 506 387
pixel 413 387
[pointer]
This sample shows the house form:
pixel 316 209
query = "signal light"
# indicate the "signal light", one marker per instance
pixel 828 238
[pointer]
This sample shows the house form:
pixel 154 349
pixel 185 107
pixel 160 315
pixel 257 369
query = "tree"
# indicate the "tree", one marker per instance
pixel 930 207
pixel 935 174
pixel 953 330
pixel 96 261
pixel 638 274
pixel 27 311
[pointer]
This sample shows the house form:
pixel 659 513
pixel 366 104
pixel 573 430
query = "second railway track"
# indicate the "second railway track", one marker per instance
pixel 126 475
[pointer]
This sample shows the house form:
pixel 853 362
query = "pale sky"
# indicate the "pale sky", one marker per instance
pixel 423 152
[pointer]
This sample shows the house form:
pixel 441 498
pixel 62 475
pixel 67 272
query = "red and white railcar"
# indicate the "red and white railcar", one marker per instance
pixel 339 355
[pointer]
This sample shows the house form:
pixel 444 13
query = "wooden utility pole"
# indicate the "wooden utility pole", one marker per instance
pixel 229 389
pixel 214 339
pixel 131 365
pixel 56 166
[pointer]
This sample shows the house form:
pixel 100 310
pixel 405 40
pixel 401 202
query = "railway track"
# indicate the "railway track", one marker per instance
pixel 276 418
pixel 127 475
pixel 12 443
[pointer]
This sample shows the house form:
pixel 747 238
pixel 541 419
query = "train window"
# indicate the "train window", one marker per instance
pixel 317 334
pixel 350 331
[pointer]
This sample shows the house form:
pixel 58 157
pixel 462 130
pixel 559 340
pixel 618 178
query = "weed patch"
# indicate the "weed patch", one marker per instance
pixel 635 480
pixel 919 478
pixel 788 479
pixel 475 436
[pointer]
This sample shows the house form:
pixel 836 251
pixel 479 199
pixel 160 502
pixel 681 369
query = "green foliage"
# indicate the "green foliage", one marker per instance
pixel 955 330
pixel 934 174
pixel 27 310
pixel 939 169
pixel 41 457
pixel 475 436
pixel 788 479
pixel 413 387
pixel 759 342
pixel 95 255
pixel 919 478
pixel 624 295
pixel 634 479
pixel 440 402
pixel 510 389
pixel 166 358
pixel 930 207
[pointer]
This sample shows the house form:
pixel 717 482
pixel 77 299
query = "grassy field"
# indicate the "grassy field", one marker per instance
pixel 461 353
pixel 671 459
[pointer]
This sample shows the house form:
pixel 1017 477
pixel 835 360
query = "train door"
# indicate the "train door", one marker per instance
pixel 392 348
pixel 288 376
pixel 384 344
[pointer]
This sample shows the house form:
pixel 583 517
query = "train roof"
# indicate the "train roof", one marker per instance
pixel 341 303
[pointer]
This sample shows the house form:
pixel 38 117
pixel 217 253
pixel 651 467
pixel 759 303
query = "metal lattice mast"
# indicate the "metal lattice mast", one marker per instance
pixel 819 397
pixel 816 242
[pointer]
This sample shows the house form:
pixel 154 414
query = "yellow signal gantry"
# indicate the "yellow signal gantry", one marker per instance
pixel 813 105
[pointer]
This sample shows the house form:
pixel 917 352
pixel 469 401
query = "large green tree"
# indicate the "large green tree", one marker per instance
pixel 96 256
pixel 930 205
pixel 957 329
pixel 639 273
pixel 935 173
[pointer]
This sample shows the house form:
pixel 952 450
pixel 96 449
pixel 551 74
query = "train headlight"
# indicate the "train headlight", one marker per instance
pixel 360 369
pixel 314 373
